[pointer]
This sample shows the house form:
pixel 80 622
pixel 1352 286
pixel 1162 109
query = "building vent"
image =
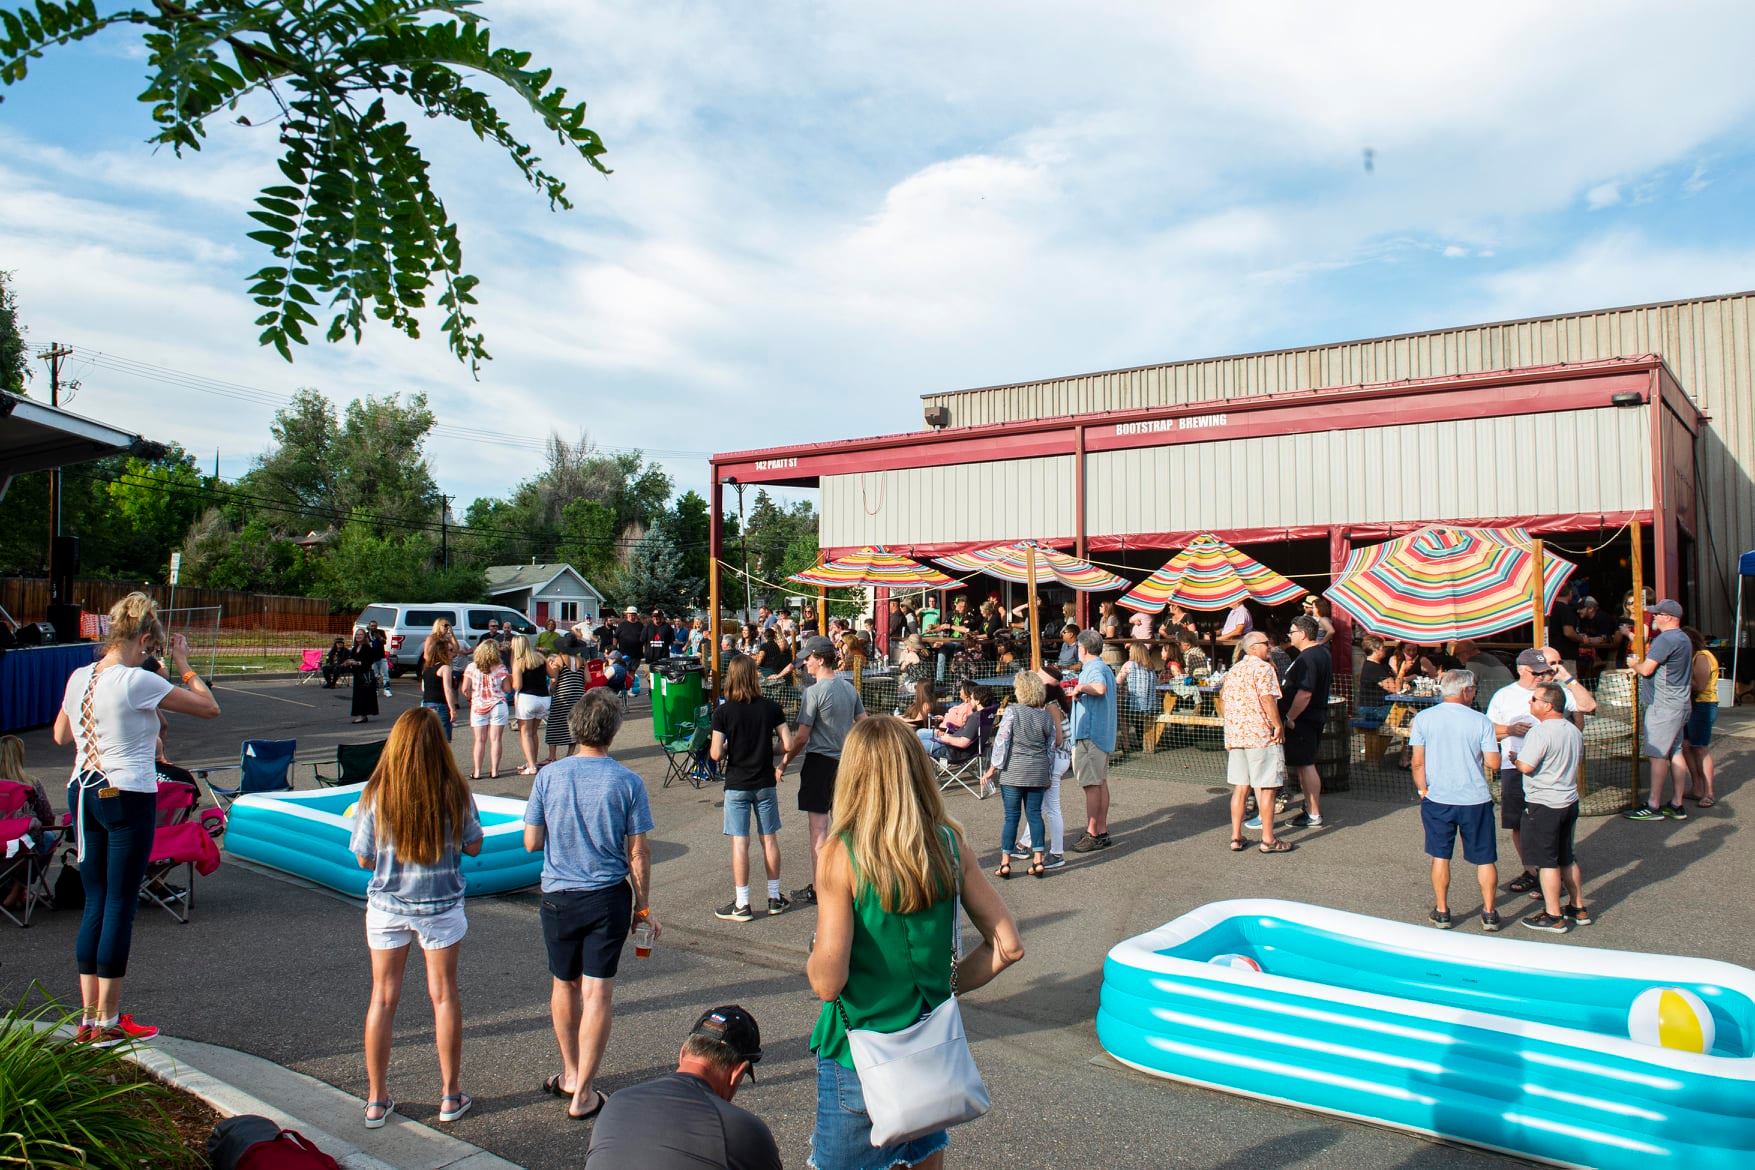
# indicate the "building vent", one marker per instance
pixel 938 416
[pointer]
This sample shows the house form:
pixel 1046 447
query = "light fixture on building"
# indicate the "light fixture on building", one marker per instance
pixel 1628 398
pixel 938 416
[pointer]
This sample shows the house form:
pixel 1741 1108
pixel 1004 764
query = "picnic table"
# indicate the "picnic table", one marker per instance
pixel 1402 709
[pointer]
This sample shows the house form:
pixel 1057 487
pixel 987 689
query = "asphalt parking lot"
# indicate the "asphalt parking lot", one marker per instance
pixel 280 969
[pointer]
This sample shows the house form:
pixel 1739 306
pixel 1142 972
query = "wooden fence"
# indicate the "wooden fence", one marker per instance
pixel 27 600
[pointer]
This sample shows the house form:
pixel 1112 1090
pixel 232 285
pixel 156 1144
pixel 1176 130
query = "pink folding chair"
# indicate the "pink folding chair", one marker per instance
pixel 310 665
pixel 184 838
pixel 22 857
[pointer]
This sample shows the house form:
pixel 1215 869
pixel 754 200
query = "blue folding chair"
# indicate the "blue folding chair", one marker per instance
pixel 264 765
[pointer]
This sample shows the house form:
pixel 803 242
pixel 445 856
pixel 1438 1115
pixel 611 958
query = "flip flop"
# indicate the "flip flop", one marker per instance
pixel 552 1087
pixel 377 1122
pixel 1705 802
pixel 602 1100
pixel 464 1101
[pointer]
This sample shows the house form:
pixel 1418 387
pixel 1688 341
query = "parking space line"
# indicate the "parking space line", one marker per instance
pixel 261 695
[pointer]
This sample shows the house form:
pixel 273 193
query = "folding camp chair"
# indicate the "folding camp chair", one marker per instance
pixel 21 833
pixel 310 666
pixel 181 839
pixel 354 763
pixel 965 765
pixel 264 765
pixel 685 752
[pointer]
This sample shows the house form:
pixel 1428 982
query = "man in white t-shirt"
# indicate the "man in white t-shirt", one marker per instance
pixel 1510 712
pixel 1237 623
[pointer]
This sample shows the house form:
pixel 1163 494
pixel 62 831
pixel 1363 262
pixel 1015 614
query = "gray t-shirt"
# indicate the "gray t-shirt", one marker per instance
pixel 829 707
pixel 1554 747
pixel 1671 685
pixel 678 1122
pixel 401 887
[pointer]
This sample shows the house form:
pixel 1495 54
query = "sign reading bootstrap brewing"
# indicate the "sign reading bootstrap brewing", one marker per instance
pixel 1157 425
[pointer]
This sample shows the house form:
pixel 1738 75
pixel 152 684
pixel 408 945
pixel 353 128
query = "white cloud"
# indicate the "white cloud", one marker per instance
pixel 1454 251
pixel 1619 268
pixel 1602 195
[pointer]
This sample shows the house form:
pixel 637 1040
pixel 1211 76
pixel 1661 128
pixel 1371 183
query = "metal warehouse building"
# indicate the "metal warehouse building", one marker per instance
pixel 1571 425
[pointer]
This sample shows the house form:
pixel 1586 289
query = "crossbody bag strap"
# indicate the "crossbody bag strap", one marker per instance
pixel 956 911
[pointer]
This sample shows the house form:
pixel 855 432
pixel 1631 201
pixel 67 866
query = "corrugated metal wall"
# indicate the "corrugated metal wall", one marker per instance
pixel 969 501
pixel 1577 461
pixel 1708 343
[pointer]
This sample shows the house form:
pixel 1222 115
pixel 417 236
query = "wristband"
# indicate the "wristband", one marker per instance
pixel 187 675
pixel 642 914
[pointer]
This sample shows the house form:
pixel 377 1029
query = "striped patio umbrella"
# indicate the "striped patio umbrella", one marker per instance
pixel 876 568
pixel 1210 575
pixel 1442 583
pixel 1029 563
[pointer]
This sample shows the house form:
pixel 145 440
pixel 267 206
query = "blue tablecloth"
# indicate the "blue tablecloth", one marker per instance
pixel 33 680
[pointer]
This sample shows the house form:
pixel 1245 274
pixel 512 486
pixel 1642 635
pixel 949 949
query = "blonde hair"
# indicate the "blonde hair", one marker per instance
pixel 134 615
pixel 12 759
pixel 888 807
pixel 487 655
pixel 1028 687
pixel 524 656
pixel 420 798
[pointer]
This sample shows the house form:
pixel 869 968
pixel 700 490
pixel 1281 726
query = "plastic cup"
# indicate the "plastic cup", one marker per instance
pixel 643 940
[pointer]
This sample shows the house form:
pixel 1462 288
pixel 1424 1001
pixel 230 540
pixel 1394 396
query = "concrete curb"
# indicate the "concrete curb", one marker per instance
pixel 235 1082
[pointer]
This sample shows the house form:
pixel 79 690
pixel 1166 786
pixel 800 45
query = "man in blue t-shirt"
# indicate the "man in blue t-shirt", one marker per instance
pixel 1093 738
pixel 1453 744
pixel 588 816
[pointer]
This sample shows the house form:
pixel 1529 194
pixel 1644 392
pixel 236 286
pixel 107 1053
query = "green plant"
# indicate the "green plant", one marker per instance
pixel 64 1106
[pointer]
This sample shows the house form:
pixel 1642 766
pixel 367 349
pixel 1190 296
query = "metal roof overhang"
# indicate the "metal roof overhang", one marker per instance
pixel 35 437
pixel 1577 386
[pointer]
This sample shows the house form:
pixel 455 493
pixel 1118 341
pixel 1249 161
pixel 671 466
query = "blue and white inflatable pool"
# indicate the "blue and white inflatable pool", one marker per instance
pixel 305 833
pixel 1515 1046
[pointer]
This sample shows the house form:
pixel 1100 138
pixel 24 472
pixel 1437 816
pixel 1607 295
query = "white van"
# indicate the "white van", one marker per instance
pixel 406 625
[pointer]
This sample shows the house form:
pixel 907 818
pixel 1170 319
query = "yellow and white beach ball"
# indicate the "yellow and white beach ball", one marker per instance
pixel 1669 1017
pixel 348 812
pixel 1236 962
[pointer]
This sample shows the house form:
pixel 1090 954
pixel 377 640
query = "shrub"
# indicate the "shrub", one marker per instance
pixel 65 1106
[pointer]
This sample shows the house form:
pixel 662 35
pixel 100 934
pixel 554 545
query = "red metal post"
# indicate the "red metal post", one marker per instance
pixel 1341 648
pixel 1084 599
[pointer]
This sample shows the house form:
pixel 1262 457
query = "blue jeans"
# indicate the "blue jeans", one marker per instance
pixel 1029 802
pixel 842 1138
pixel 929 741
pixel 118 843
pixel 444 714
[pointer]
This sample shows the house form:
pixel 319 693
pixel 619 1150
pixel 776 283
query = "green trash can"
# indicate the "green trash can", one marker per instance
pixel 676 694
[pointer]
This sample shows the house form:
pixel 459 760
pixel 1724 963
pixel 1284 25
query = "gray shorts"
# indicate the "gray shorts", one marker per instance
pixel 1090 764
pixel 1661 728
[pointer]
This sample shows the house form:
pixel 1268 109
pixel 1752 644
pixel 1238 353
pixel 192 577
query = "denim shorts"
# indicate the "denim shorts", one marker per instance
pixel 1698 733
pixel 842 1138
pixel 740 803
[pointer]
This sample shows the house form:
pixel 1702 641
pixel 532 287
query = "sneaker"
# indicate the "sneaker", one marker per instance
pixel 1523 883
pixel 808 895
pixel 1053 861
pixel 386 692
pixel 1546 922
pixel 1490 921
pixel 1022 854
pixel 135 1031
pixel 732 912
pixel 1306 821
pixel 1440 919
pixel 1644 813
pixel 1253 822
pixel 1578 915
pixel 779 905
pixel 1087 844
pixel 85 1033
pixel 1675 812
pixel 123 1031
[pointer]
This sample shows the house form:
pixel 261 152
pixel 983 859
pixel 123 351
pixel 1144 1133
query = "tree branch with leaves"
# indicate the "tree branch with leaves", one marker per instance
pixel 353 224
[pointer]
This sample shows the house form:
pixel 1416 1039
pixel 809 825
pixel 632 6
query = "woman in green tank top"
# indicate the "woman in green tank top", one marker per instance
pixel 886 929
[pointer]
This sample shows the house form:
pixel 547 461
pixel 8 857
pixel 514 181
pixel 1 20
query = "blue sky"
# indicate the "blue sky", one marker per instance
pixel 821 211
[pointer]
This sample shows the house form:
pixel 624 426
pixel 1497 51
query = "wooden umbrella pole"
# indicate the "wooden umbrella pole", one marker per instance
pixel 1538 591
pixel 1030 612
pixel 1637 535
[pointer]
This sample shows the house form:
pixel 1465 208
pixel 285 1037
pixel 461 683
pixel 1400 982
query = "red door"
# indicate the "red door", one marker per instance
pixel 541 612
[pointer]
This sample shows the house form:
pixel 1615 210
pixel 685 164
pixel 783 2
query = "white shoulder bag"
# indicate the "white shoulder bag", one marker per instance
pixel 923 1078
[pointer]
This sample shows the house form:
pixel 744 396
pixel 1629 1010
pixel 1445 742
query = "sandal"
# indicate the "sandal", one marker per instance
pixel 1705 802
pixel 385 1109
pixel 1004 872
pixel 1277 847
pixel 552 1087
pixel 464 1101
pixel 1238 844
pixel 602 1100
pixel 1037 869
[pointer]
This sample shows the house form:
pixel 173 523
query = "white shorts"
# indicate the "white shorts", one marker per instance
pixel 532 707
pixel 386 931
pixel 493 717
pixel 1262 767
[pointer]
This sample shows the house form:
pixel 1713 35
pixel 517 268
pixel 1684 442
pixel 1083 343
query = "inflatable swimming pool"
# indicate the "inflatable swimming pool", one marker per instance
pixel 304 833
pixel 1516 1046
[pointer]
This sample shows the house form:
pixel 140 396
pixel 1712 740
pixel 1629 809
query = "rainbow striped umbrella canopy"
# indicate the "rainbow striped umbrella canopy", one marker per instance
pixel 874 568
pixel 1209 575
pixel 1010 562
pixel 1441 583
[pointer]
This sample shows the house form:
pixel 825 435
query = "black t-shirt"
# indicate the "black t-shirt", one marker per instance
pixel 630 639
pixel 1563 615
pixel 749 742
pixel 1370 689
pixel 898 625
pixel 1310 671
pixel 678 1122
pixel 660 637
pixel 605 636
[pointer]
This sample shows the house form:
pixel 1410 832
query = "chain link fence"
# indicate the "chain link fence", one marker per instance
pixel 1173 729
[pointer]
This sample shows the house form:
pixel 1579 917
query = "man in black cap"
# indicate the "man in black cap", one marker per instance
pixel 1666 700
pixel 685 1120
pixel 827 712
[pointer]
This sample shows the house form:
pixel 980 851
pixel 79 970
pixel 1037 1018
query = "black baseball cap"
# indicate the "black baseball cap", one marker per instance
pixel 734 1028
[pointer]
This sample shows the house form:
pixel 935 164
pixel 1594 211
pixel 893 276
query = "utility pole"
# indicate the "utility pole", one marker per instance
pixel 55 355
pixel 445 531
